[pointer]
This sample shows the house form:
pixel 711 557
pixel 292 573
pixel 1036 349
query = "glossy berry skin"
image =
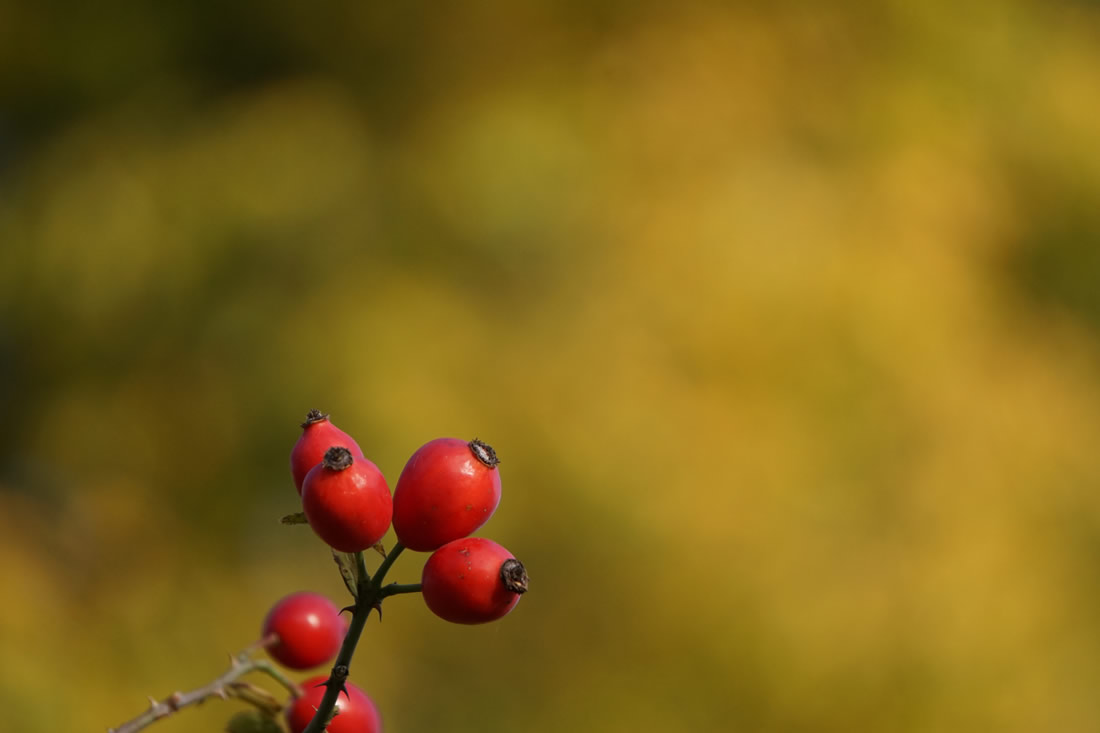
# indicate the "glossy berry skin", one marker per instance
pixel 472 581
pixel 318 435
pixel 347 501
pixel 358 713
pixel 447 490
pixel 309 628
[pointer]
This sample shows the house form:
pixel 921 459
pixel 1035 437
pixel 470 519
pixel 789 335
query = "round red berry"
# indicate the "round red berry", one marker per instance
pixel 307 629
pixel 346 500
pixel 318 435
pixel 447 490
pixel 358 713
pixel 472 581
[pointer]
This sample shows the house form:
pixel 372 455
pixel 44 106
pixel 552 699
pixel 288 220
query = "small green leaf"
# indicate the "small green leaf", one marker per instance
pixel 295 518
pixel 348 571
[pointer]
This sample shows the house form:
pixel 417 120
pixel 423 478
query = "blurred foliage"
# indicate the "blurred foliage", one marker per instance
pixel 784 321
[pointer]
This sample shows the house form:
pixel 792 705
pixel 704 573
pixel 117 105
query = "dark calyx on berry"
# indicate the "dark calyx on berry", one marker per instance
pixel 337 458
pixel 314 416
pixel 514 575
pixel 484 453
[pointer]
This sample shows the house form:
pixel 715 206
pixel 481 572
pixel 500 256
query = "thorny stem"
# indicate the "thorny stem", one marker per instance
pixel 369 597
pixel 224 687
pixel 364 604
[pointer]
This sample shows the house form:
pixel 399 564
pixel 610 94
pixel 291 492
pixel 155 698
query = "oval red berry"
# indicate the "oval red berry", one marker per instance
pixel 318 435
pixel 358 713
pixel 448 489
pixel 472 581
pixel 308 630
pixel 347 501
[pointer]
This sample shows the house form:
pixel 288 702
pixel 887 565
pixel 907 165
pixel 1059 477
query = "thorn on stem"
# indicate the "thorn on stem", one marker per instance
pixel 377 605
pixel 337 679
pixel 330 682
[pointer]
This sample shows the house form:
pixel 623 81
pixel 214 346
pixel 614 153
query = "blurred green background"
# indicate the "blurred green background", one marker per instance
pixel 785 322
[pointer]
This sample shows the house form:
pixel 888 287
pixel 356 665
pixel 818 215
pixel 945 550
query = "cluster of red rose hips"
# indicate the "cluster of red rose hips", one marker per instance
pixel 448 489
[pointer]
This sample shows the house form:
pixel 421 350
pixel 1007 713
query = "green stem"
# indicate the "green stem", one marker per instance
pixel 364 576
pixel 384 568
pixel 369 597
pixel 276 674
pixel 364 604
pixel 394 588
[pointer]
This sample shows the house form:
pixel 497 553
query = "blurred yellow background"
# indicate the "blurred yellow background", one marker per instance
pixel 785 323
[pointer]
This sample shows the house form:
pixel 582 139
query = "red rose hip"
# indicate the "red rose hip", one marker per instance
pixel 318 435
pixel 308 630
pixel 447 490
pixel 472 581
pixel 346 500
pixel 358 713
